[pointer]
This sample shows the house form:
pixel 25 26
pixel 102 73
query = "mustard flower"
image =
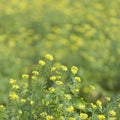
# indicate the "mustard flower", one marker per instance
pixel 92 87
pixel 93 106
pixel 72 118
pixel 101 117
pixel 64 68
pixel 112 113
pixel 74 69
pixel 41 63
pixel 35 72
pixel 49 117
pixel 119 105
pixel 108 98
pixel 25 76
pixel 12 81
pixel 78 79
pixel 99 103
pixel 2 107
pixel 70 109
pixel 75 90
pixel 31 102
pixel 49 57
pixel 81 106
pixel 23 100
pixel 53 78
pixel 53 69
pixel 16 87
pixel 68 96
pixel 51 89
pixel 83 116
pixel 34 77
pixel 58 82
pixel 13 96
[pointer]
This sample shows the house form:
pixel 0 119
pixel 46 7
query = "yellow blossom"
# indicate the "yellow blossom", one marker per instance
pixel 23 100
pixel 12 81
pixel 16 87
pixel 68 96
pixel 72 118
pixel 49 117
pixel 70 109
pixel 93 106
pixel 108 98
pixel 51 89
pixel 101 117
pixel 81 106
pixel 53 69
pixel 75 90
pixel 74 69
pixel 59 82
pixel 25 76
pixel 52 78
pixel 49 57
pixel 99 103
pixel 112 113
pixel 31 102
pixel 2 107
pixel 13 96
pixel 41 62
pixel 64 68
pixel 78 79
pixel 35 72
pixel 92 87
pixel 83 116
pixel 34 77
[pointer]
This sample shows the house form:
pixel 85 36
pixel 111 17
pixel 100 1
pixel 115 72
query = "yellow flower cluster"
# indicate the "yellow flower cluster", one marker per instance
pixel 49 57
pixel 70 109
pixel 101 117
pixel 41 63
pixel 74 69
pixel 83 116
pixel 13 96
pixel 25 76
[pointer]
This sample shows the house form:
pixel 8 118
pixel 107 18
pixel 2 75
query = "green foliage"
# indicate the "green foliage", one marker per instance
pixel 50 93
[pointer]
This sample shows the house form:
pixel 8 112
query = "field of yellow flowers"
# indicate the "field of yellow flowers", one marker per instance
pixel 60 60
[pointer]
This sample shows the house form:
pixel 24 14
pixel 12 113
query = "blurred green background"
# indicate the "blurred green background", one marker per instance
pixel 77 32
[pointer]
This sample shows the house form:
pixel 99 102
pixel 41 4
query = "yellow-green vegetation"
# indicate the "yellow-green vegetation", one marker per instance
pixel 83 35
pixel 56 94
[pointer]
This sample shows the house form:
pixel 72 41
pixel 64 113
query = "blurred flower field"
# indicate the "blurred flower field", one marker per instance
pixel 80 33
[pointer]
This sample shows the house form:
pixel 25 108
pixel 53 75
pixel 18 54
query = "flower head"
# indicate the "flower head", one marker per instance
pixel 49 57
pixel 74 69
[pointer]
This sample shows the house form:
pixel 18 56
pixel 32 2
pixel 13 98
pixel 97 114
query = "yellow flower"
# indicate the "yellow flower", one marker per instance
pixel 82 107
pixel 75 90
pixel 92 87
pixel 31 102
pixel 53 69
pixel 70 109
pixel 93 106
pixel 2 107
pixel 16 87
pixel 78 79
pixel 101 117
pixel 13 96
pixel 25 76
pixel 41 62
pixel 74 69
pixel 99 103
pixel 59 82
pixel 68 96
pixel 35 72
pixel 83 116
pixel 49 57
pixel 72 118
pixel 23 100
pixel 51 89
pixel 49 117
pixel 119 105
pixel 112 113
pixel 53 78
pixel 12 81
pixel 34 77
pixel 64 68
pixel 108 98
